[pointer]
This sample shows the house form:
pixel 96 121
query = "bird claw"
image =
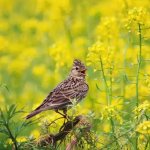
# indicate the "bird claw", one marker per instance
pixel 64 115
pixel 67 117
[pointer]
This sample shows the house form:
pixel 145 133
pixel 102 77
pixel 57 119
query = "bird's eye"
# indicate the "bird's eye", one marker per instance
pixel 77 68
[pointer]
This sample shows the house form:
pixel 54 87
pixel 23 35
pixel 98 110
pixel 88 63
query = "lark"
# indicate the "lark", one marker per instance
pixel 74 87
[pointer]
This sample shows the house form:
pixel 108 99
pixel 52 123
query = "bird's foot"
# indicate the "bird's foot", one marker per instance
pixel 68 118
pixel 63 114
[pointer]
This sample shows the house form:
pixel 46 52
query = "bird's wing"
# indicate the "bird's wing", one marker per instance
pixel 62 95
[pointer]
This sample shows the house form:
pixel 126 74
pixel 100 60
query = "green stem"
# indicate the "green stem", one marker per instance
pixel 110 80
pixel 147 143
pixel 139 65
pixel 109 95
pixel 105 82
pixel 137 75
pixel 123 90
pixel 113 141
pixel 113 131
pixel 11 136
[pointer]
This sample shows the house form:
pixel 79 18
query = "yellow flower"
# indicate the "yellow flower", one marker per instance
pixel 39 70
pixel 142 140
pixel 21 139
pixel 61 53
pixel 18 66
pixel 136 16
pixel 30 25
pixel 9 141
pixel 35 134
pixel 78 27
pixel 4 43
pixel 142 108
pixel 100 52
pixel 108 29
pixel 130 91
pixel 79 43
pixel 106 127
pixel 144 128
pixel 4 25
pixel 29 53
pixel 111 111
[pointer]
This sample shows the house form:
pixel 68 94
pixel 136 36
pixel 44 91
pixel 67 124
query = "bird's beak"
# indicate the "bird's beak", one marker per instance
pixel 84 70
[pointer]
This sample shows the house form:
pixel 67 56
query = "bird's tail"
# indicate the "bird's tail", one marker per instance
pixel 33 113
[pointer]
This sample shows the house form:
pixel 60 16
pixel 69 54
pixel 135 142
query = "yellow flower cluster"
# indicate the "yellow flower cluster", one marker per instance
pixel 137 16
pixel 144 127
pixel 142 108
pixel 108 30
pixel 100 52
pixel 59 51
pixel 111 112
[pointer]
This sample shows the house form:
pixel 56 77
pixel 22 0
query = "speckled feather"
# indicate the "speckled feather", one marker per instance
pixel 62 95
pixel 60 98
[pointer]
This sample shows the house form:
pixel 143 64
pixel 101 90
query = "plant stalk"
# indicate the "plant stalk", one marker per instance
pixel 137 75
pixel 12 137
pixel 105 82
pixel 139 64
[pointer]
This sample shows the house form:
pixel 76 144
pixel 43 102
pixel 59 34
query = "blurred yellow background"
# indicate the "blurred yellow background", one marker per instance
pixel 39 39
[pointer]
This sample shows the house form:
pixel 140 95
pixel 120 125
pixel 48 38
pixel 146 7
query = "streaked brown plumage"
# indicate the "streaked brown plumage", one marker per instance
pixel 74 87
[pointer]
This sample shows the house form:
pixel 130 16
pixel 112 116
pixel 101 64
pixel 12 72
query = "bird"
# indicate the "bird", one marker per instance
pixel 74 87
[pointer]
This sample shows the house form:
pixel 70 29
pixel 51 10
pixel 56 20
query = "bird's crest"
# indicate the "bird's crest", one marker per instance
pixel 77 62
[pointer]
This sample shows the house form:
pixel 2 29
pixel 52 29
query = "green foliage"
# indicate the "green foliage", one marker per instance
pixel 11 127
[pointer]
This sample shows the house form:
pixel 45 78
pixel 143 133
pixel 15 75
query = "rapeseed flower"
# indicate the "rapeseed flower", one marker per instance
pixel 144 128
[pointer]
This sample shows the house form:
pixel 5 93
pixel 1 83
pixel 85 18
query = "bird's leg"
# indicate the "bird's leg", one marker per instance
pixel 65 113
pixel 60 113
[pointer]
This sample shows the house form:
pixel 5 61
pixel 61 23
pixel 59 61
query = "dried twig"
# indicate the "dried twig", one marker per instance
pixel 65 129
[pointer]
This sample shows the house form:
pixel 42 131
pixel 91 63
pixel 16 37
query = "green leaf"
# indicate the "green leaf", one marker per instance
pixel 98 87
pixel 3 120
pixel 11 111
pixel 4 131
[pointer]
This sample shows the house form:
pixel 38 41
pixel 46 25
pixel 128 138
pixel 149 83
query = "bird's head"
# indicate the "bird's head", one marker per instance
pixel 78 69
